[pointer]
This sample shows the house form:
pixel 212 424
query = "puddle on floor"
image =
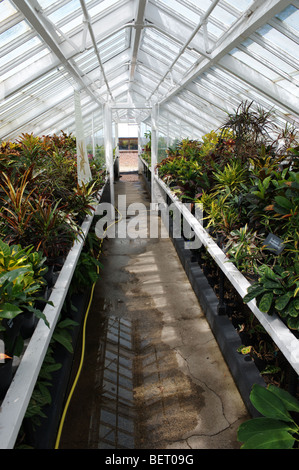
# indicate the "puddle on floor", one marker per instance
pixel 112 419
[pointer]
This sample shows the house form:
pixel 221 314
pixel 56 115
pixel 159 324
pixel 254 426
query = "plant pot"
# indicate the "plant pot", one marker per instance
pixel 12 331
pixel 5 376
pixel 28 325
pixel 49 276
pixel 58 262
pixel 43 296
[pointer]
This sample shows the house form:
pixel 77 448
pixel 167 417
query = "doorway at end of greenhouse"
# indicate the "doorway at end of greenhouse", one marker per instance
pixel 128 161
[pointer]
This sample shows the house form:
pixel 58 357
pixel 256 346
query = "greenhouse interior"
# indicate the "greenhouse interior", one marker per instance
pixel 149 217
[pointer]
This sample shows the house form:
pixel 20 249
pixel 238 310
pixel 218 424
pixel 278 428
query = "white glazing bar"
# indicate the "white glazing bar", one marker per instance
pixel 279 332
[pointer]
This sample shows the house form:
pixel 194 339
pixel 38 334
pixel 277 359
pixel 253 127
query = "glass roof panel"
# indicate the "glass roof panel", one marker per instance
pixel 7 10
pixel 240 5
pixel 20 50
pixel 184 11
pixel 254 64
pixel 101 6
pixel 290 17
pixel 280 40
pixel 24 63
pixel 64 11
pixel 223 15
pixel 157 64
pixel 14 33
pixel 263 53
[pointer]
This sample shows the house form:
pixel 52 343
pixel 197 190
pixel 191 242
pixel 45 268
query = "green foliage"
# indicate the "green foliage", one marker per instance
pixel 248 184
pixel 20 281
pixel 232 178
pixel 244 249
pixel 277 291
pixel 41 395
pixel 41 187
pixel 88 268
pixel 277 428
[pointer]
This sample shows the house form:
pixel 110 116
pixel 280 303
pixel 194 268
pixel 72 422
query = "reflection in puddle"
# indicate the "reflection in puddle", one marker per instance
pixel 112 417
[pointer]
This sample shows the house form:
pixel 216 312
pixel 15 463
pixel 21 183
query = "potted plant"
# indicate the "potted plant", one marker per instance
pixel 278 426
pixel 21 280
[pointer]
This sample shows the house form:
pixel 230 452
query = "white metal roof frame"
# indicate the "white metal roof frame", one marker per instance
pixel 203 57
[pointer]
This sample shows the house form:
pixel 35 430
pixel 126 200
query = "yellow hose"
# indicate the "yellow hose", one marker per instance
pixel 58 437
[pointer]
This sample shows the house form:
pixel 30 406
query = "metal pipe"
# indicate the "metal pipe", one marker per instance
pixel 87 19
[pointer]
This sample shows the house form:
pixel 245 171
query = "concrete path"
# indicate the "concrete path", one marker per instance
pixel 154 377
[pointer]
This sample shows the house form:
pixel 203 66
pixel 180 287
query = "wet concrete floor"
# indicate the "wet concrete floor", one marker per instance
pixel 153 375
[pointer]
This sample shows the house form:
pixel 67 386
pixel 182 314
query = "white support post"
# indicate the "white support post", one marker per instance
pixel 116 146
pixel 156 196
pixel 83 168
pixel 109 147
pixel 154 151
pixel 92 135
pixel 140 166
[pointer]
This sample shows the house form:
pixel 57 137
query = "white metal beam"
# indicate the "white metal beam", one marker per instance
pixel 187 43
pixel 93 39
pixel 261 83
pixel 136 35
pixel 34 19
pixel 255 17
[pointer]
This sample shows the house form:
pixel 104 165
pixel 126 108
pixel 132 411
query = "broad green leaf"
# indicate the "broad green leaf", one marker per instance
pixel 269 274
pixel 290 402
pixel 291 310
pixel 63 339
pixel 270 440
pixel 13 275
pixel 268 404
pixel 252 293
pixel 67 322
pixel 282 301
pixel 9 311
pixel 267 181
pixel 293 323
pixel 265 302
pixel 272 284
pixel 250 428
pixel 283 202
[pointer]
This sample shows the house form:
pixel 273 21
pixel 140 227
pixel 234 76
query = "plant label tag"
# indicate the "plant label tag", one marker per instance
pixel 274 243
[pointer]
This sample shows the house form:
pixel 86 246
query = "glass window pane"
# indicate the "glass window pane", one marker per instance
pixel 280 40
pixel 7 10
pixel 290 16
pixel 21 50
pixel 13 33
